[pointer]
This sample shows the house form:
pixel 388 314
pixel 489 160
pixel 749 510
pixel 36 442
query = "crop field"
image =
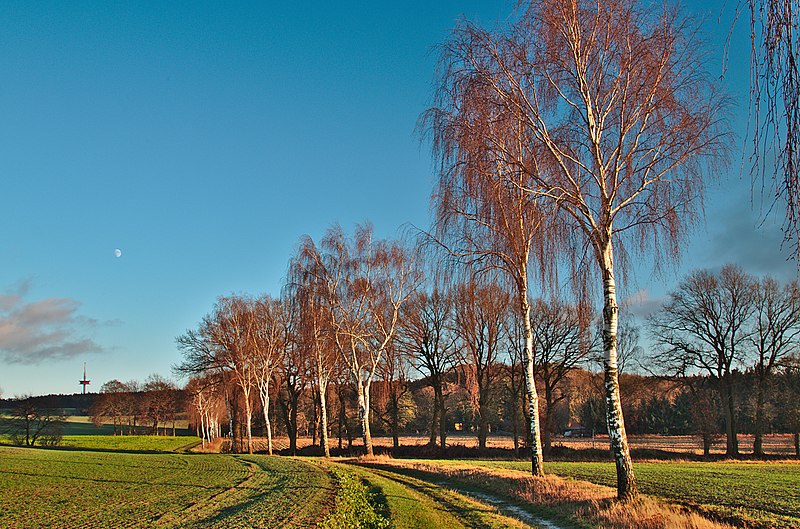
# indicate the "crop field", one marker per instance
pixel 148 482
pixel 57 488
pixel 755 494
pixel 131 443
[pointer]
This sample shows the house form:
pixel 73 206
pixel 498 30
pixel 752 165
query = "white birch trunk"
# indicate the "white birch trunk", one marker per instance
pixel 363 415
pixel 323 404
pixel 249 412
pixel 264 394
pixel 537 460
pixel 626 481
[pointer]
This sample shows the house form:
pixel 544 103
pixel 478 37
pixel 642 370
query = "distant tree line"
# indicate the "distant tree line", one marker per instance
pixel 27 421
pixel 139 408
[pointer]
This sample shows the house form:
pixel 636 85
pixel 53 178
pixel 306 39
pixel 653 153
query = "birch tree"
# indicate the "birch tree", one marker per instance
pixel 367 282
pixel 308 289
pixel 618 123
pixel 267 344
pixel 485 217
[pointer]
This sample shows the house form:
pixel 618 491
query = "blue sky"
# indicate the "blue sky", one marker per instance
pixel 204 139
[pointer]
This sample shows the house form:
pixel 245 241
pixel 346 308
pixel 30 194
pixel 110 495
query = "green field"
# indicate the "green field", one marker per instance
pixel 762 494
pixel 76 489
pixel 58 488
pixel 143 481
pixel 130 443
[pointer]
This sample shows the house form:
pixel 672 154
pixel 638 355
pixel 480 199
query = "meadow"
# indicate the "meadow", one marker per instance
pixel 131 443
pixel 64 488
pixel 157 481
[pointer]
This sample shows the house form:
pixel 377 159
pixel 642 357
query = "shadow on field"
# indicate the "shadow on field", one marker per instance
pixel 558 453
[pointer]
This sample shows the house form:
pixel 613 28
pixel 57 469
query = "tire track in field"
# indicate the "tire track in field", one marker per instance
pixel 298 517
pixel 215 502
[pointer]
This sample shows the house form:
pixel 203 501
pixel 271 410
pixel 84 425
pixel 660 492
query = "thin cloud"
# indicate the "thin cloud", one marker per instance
pixel 641 304
pixel 757 246
pixel 32 332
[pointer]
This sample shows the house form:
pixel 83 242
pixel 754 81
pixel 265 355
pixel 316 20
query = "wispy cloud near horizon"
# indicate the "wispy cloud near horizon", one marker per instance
pixel 32 332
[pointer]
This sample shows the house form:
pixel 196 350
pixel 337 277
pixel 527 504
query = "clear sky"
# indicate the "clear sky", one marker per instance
pixel 203 139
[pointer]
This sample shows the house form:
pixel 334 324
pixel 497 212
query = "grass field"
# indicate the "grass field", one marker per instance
pixel 78 489
pixel 66 489
pixel 131 443
pixel 145 481
pixel 758 494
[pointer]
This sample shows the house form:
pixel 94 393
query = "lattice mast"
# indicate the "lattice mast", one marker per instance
pixel 84 382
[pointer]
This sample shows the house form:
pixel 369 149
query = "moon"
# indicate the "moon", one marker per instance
pixel 117 253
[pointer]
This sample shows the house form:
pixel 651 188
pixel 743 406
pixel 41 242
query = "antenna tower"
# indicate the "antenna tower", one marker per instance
pixel 84 382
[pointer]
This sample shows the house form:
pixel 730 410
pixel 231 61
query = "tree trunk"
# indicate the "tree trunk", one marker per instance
pixel 515 425
pixel 731 435
pixel 291 429
pixel 249 422
pixel 758 438
pixel 323 412
pixel 548 420
pixel 626 481
pixel 797 444
pixel 483 415
pixel 363 415
pixel 483 428
pixel 342 413
pixel 537 461
pixel 314 416
pixel 439 396
pixel 434 419
pixel 267 423
pixel 395 422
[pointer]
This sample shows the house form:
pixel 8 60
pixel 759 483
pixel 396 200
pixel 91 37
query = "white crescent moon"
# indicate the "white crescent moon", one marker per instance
pixel 117 253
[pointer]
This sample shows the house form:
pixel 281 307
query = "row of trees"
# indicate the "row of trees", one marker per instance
pixel 581 132
pixel 359 310
pixel 28 422
pixel 714 324
pixel 134 407
pixel 457 359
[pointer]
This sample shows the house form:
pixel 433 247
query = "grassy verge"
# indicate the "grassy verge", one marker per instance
pixel 436 505
pixel 408 508
pixel 357 505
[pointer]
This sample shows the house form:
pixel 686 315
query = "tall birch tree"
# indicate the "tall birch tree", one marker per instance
pixel 617 123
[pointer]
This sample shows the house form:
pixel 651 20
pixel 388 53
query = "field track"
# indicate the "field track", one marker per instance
pixel 417 504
